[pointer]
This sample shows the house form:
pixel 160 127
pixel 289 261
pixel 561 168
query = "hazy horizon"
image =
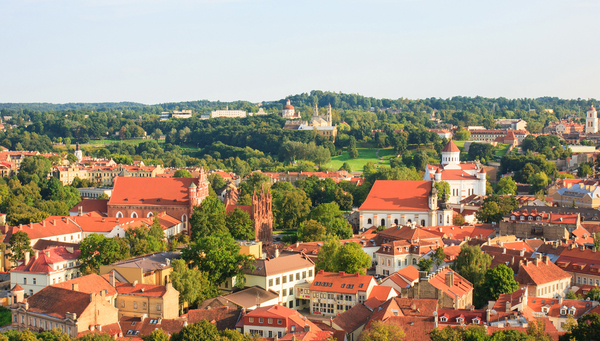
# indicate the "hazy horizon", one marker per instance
pixel 158 51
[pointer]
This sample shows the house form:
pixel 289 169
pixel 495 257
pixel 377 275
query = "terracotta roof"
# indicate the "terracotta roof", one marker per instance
pixel 382 293
pixel 50 227
pixel 353 318
pixel 460 287
pixel 90 205
pixel 282 264
pixel 415 328
pixel 540 271
pixel 340 282
pixel 145 290
pixel 151 191
pixel 398 195
pixel 44 260
pixel 217 302
pixel 252 296
pixel 222 317
pixel 289 316
pixel 133 327
pixel 88 284
pixel 457 174
pixel 43 244
pixel 535 304
pixel 58 301
pixel 467 315
pixel 17 287
pixel 451 147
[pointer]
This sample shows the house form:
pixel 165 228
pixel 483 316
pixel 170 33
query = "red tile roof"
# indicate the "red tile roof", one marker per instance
pixel 382 293
pixel 90 205
pixel 460 287
pixel 50 227
pixel 151 191
pixel 341 282
pixel 88 284
pixel 58 301
pixel 451 147
pixel 222 317
pixel 457 174
pixel 45 259
pixel 398 195
pixel 539 272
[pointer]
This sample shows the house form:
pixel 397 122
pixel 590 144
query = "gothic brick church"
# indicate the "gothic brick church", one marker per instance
pixel 137 197
pixel 261 212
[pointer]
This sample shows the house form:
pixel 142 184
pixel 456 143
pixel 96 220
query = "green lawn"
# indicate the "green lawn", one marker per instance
pixel 364 156
pixel 460 145
pixel 502 149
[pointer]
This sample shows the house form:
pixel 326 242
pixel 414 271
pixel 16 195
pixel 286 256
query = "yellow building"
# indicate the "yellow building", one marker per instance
pixel 148 269
pixel 147 300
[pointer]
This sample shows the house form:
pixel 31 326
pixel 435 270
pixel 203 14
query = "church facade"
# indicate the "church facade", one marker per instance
pixel 260 212
pixel 465 179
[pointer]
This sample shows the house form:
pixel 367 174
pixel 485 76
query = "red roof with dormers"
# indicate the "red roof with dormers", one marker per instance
pixel 398 195
pixel 340 282
pixel 44 261
pixel 151 191
pixel 451 147
pixel 543 217
pixel 460 287
pixel 539 272
pixel 535 305
pixel 50 227
pixel 289 317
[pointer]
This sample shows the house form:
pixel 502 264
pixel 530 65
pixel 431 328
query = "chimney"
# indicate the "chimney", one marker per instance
pixel 560 300
pixel 488 314
pixel 80 210
pixel 111 278
pixel 54 222
pixel 522 252
pixel 92 297
pixel 503 250
pixel 20 226
pixel 507 309
pixel 546 260
pixel 37 254
pixel 75 286
pixel 449 277
pixel 342 273
pixel 27 257
pixel 135 283
pixel 47 253
pixel 43 223
pixel 276 253
pixel 536 261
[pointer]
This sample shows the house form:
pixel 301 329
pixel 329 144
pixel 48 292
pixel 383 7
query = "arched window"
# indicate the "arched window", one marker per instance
pixel 422 222
pixel 184 218
pixel 409 221
pixel 447 219
pixel 134 215
pixel 150 214
pixel 414 261
pixel 382 222
pixel 396 221
pixel 441 219
pixel 369 221
pixel 119 214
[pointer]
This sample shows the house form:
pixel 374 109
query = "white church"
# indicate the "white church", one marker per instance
pixel 591 121
pixel 465 179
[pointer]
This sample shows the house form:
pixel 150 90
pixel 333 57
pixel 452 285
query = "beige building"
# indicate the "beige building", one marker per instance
pixel 148 269
pixel 66 174
pixel 566 194
pixel 152 301
pixel 543 279
pixel 448 287
pixel 537 224
pixel 333 293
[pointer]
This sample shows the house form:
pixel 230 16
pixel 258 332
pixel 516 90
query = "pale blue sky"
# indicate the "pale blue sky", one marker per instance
pixel 155 51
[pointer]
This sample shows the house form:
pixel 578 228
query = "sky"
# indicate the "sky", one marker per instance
pixel 155 51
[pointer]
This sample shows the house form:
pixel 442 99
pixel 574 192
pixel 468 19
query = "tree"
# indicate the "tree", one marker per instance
pixel 472 263
pixel 506 185
pixel 208 218
pixel 587 328
pixel 537 330
pixel 585 170
pixel 442 188
pixel 538 182
pixel 157 134
pixel 216 181
pixel 331 217
pixel 311 231
pixel 240 225
pixel 488 212
pixel 353 153
pixel 192 284
pixel 34 168
pixel 381 331
pixel 346 166
pixel 290 208
pixel 425 264
pixel 349 257
pixel 593 294
pixel 19 243
pixel 201 331
pixel 328 255
pixel 141 242
pixel 497 281
pixel 156 335
pixel 458 220
pixel 462 134
pixel 182 173
pixel 439 256
pixel 218 255
pixel 98 250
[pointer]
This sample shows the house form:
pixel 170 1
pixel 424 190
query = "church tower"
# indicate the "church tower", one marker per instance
pixel 329 116
pixel 451 156
pixel 78 153
pixel 591 121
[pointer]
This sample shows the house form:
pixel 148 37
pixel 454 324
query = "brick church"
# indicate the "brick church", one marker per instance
pixel 137 197
pixel 261 212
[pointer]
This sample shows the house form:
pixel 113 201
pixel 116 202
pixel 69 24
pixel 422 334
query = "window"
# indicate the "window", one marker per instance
pixel 284 279
pixel 122 303
pixel 297 276
pixel 422 222
pixel 279 321
pixel 34 280
pixel 158 306
pixel 291 278
pixel 414 261
pixel 134 305
pixel 251 319
pixel 24 280
pixel 303 274
pixel 405 261
pixel 396 221
pixel 310 273
pixel 144 305
pixel 271 282
pixel 261 320
pixel 284 292
pixel 270 321
pixel 382 222
pixel 369 221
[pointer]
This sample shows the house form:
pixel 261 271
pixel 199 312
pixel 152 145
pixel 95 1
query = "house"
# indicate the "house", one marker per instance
pixel 333 293
pixel 512 124
pixel 90 205
pixel 538 223
pixel 111 227
pixel 248 299
pixel 582 264
pixel 137 197
pixel 135 327
pixel 448 287
pixel 56 308
pixel 399 202
pixel 279 274
pixel 222 317
pixel 154 268
pixel 543 279
pixel 57 228
pixel 153 301
pixel 276 322
pixel 48 267
pixel 402 279
pixel 465 179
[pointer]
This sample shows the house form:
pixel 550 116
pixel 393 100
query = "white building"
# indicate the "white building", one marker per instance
pixel 228 113
pixel 591 121
pixel 51 266
pixel 289 111
pixel 94 192
pixel 465 179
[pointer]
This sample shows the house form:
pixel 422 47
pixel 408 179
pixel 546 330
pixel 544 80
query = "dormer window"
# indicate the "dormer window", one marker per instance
pixel 545 310
pixel 563 311
pixel 444 319
pixel 522 217
pixel 512 217
pixel 476 321
pixel 538 218
pixel 572 311
pixel 459 319
pixel 530 218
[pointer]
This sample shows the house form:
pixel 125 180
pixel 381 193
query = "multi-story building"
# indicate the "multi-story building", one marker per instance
pixel 512 124
pixel 333 293
pixel 51 266
pixel 536 224
pixel 448 287
pixel 289 112
pixel 465 179
pixel 153 269
pixel 66 174
pixel 57 228
pixel 543 279
pixel 280 274
pixel 106 175
pixel 152 301
pixel 490 135
pixel 591 121
pixel 94 192
pixel 228 113
pixel 582 264
pixel 582 193
pixel 277 321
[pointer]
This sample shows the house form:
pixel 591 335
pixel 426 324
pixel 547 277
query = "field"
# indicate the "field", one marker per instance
pixel 364 156
pixel 502 149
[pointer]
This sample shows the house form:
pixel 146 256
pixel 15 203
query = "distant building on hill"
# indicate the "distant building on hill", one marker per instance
pixel 228 113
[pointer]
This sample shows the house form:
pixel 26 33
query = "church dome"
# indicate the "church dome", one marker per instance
pixel 592 108
pixel 288 106
pixel 451 147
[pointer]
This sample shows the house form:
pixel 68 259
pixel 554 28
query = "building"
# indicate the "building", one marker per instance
pixel 248 299
pixel 490 135
pixel 66 174
pixel 106 175
pixel 261 213
pixel 280 274
pixel 152 301
pixel 336 176
pixel 228 113
pixel 591 121
pixel 71 311
pixel 333 293
pixel 582 264
pixel 512 124
pixel 402 247
pixel 399 202
pixel 585 194
pixel 135 197
pixel 51 266
pixel 448 287
pixel 111 227
pixel 289 112
pixel 277 322
pixel 543 279
pixel 95 192
pixel 465 179
pixel 322 124
pixel 152 269
pixel 181 114
pixel 537 224
pixel 442 133
pixel 56 228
